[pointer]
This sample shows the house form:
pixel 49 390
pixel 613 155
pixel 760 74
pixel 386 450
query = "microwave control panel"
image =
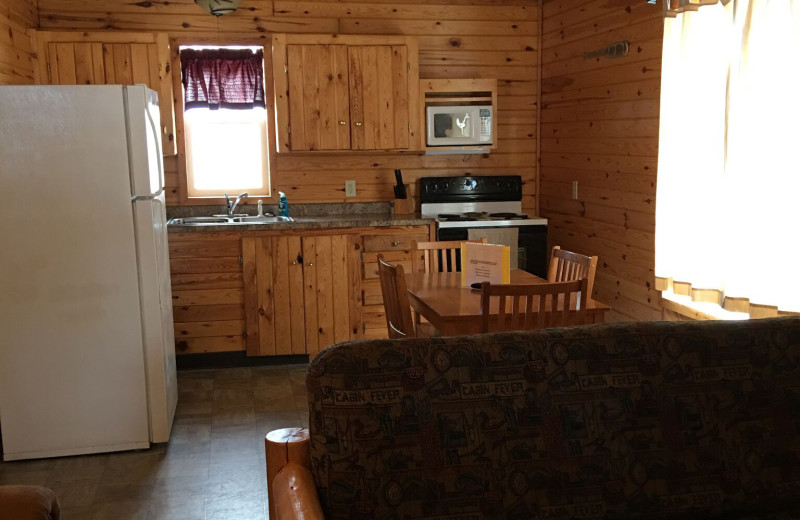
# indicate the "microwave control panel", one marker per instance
pixel 485 132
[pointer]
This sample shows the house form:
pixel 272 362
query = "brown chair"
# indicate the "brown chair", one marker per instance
pixel 438 256
pixel 566 266
pixel 395 300
pixel 534 306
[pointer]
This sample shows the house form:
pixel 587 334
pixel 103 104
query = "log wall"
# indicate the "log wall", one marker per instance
pixel 457 39
pixel 599 127
pixel 17 18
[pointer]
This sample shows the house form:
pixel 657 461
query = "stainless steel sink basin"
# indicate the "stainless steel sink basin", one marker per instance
pixel 221 220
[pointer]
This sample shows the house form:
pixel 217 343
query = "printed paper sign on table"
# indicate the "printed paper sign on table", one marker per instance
pixel 484 263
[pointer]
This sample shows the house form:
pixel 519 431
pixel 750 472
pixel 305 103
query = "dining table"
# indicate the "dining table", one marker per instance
pixel 454 309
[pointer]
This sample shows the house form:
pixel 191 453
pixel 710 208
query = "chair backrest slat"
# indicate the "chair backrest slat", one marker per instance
pixel 566 266
pixel 546 305
pixel 438 256
pixel 395 300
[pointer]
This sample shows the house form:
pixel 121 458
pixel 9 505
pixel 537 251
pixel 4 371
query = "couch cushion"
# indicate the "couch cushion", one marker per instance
pixel 648 420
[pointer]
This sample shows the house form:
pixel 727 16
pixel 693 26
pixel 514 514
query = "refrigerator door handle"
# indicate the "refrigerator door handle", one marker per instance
pixel 137 198
pixel 160 160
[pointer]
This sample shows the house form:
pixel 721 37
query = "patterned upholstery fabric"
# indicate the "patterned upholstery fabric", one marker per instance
pixel 635 420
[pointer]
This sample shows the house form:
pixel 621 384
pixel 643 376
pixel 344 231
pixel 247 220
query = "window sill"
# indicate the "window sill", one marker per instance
pixel 684 306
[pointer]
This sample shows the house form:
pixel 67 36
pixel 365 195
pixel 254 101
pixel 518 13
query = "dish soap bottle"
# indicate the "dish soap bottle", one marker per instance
pixel 283 206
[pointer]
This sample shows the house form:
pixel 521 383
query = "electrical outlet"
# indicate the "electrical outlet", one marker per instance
pixel 349 188
pixel 575 190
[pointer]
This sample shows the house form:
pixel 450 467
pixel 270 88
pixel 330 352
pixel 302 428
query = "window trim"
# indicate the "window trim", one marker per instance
pixel 180 134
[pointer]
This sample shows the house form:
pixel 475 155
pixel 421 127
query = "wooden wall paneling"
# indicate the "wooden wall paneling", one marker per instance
pixel 460 38
pixel 599 127
pixel 18 64
pixel 209 291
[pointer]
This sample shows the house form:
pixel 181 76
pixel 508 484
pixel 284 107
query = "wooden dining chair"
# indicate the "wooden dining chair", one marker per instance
pixel 566 266
pixel 435 257
pixel 395 300
pixel 533 306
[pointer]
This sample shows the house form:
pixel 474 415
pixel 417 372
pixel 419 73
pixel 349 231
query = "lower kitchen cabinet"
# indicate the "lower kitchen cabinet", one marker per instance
pixel 395 244
pixel 282 292
pixel 301 293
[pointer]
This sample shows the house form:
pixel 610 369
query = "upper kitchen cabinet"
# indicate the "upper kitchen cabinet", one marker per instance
pixel 346 92
pixel 111 58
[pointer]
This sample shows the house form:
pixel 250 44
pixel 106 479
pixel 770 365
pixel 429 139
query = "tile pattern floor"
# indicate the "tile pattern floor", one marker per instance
pixel 212 468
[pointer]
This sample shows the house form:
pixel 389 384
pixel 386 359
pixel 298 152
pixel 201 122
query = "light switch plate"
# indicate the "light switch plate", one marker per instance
pixel 349 188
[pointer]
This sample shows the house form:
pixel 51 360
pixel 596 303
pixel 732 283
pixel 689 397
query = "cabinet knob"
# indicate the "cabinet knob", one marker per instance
pixel 311 264
pixel 396 243
pixel 342 122
pixel 294 263
pixel 358 124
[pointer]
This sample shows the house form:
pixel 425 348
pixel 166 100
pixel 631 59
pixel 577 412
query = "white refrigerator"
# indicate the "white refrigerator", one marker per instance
pixel 87 353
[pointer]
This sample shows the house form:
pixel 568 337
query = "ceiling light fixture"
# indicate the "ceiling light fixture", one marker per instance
pixel 218 7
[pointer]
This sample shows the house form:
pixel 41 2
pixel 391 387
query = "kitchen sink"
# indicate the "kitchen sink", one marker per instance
pixel 222 220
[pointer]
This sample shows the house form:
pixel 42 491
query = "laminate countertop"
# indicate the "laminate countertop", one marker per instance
pixel 308 222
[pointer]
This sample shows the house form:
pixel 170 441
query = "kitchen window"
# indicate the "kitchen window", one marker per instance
pixel 225 121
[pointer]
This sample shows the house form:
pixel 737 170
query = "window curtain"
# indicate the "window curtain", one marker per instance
pixel 226 78
pixel 728 193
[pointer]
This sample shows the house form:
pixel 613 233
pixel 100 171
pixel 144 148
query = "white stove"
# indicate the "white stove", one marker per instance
pixel 480 214
pixel 462 203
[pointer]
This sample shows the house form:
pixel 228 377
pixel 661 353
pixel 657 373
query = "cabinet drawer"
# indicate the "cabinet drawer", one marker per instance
pixel 373 243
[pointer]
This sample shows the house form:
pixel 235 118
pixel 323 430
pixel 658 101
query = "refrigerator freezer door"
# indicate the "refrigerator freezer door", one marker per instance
pixel 144 136
pixel 72 375
pixel 147 178
pixel 156 308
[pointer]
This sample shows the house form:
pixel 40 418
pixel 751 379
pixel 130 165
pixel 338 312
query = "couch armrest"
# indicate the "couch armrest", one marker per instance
pixel 28 503
pixel 287 449
pixel 295 494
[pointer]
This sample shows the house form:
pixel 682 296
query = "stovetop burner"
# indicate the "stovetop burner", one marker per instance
pixel 452 217
pixel 509 216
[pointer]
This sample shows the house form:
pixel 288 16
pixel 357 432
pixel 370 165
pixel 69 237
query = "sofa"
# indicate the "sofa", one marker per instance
pixel 633 420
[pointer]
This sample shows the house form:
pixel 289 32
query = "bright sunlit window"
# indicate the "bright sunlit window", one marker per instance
pixel 226 151
pixel 225 121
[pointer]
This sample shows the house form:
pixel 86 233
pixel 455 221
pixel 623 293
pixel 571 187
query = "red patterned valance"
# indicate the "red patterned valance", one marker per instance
pixel 227 78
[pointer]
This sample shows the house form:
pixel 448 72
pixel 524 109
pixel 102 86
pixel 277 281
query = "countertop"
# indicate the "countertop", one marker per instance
pixel 310 222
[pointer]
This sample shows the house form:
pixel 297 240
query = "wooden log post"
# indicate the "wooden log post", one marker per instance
pixel 284 446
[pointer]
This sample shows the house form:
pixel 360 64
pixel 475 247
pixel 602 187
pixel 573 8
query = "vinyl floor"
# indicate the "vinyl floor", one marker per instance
pixel 212 468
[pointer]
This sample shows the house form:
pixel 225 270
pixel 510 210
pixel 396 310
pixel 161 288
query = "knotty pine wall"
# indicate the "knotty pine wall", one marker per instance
pixel 17 18
pixel 599 126
pixel 457 39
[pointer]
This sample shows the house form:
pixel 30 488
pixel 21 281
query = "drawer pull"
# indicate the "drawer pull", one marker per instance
pixel 342 122
pixel 358 124
pixel 396 243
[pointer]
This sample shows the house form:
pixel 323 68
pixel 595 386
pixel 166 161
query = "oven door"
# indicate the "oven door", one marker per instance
pixel 531 246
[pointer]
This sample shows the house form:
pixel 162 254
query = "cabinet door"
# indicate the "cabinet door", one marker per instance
pixel 301 294
pixel 84 59
pixel 379 97
pixel 274 307
pixel 319 115
pixel 332 281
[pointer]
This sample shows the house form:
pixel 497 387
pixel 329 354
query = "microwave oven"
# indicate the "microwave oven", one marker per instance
pixel 459 125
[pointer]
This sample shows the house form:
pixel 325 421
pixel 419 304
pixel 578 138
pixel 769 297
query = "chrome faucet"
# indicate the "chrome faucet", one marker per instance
pixel 231 206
